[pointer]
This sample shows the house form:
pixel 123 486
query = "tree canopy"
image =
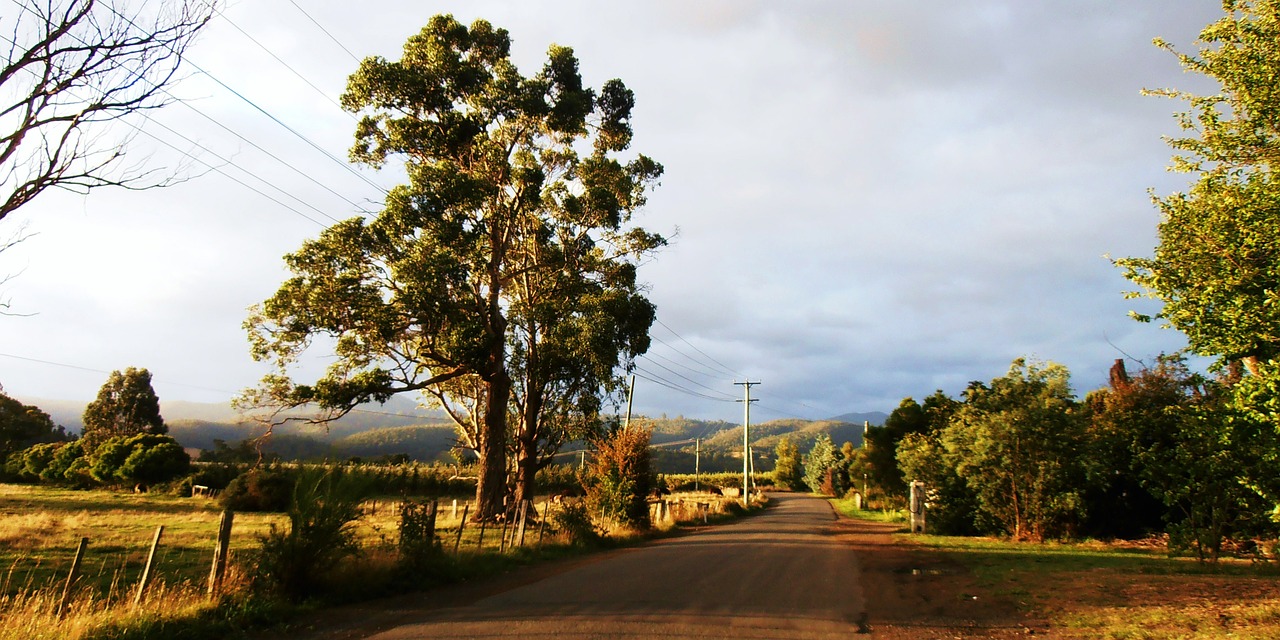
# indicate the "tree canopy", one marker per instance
pixel 502 223
pixel 1216 269
pixel 126 405
pixel 22 425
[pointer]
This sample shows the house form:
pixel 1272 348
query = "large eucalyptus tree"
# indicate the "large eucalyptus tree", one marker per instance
pixel 503 221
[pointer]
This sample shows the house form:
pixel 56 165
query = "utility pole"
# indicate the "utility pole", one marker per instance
pixel 746 439
pixel 697 463
pixel 631 394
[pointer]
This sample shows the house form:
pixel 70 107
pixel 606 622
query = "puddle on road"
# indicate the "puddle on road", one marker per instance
pixel 915 571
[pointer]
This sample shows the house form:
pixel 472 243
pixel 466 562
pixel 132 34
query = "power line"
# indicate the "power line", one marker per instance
pixel 691 380
pixel 138 77
pixel 326 31
pixel 235 179
pixel 345 165
pixel 675 387
pixel 723 368
pixel 702 371
pixel 322 92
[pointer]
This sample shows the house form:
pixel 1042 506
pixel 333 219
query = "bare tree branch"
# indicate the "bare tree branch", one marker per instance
pixel 70 68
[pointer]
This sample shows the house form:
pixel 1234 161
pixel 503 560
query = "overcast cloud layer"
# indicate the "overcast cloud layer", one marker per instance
pixel 868 200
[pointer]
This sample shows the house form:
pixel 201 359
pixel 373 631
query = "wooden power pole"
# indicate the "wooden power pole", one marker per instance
pixel 746 440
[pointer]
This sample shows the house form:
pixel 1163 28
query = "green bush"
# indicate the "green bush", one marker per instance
pixel 324 506
pixel 261 489
pixel 63 460
pixel 144 458
pixel 573 521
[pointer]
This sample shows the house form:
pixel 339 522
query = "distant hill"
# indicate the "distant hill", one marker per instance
pixel 876 418
pixel 396 412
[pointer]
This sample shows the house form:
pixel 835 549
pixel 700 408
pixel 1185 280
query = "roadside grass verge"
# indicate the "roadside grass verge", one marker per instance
pixel 1121 591
pixel 848 508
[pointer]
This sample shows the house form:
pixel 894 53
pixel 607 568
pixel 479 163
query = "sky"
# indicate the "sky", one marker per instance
pixel 866 200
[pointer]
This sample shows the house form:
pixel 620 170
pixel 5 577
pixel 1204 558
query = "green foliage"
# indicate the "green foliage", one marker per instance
pixel 502 230
pixel 620 477
pixel 143 458
pixel 573 521
pixel 821 458
pixel 1217 264
pixel 419 549
pixel 1017 444
pixel 259 489
pixel 22 425
pixel 323 508
pixel 1127 420
pixel 909 418
pixel 788 471
pixel 67 465
pixel 953 506
pixel 126 405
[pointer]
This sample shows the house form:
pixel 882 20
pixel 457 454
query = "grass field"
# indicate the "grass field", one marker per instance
pixel 40 528
pixel 1122 590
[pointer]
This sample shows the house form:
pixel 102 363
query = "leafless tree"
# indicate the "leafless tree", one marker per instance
pixel 71 68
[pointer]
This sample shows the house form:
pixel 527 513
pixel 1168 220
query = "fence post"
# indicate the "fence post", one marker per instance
pixel 455 509
pixel 431 522
pixel 480 541
pixel 542 526
pixel 917 507
pixel 524 516
pixel 71 577
pixel 461 526
pixel 151 564
pixel 219 568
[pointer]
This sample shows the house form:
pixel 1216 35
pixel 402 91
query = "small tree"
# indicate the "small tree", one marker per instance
pixel 126 405
pixel 621 477
pixel 1018 443
pixel 821 458
pixel 788 471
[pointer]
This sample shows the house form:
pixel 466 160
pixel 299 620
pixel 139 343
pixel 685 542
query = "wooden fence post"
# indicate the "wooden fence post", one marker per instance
pixel 502 546
pixel 71 577
pixel 219 568
pixel 150 568
pixel 461 525
pixel 480 541
pixel 546 515
pixel 524 517
pixel 431 522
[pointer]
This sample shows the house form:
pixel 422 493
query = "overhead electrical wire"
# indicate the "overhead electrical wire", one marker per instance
pixel 233 178
pixel 215 121
pixel 326 31
pixel 685 378
pixel 721 365
pixel 342 163
pixel 286 65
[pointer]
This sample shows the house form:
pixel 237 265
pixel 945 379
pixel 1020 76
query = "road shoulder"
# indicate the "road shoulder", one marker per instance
pixel 915 592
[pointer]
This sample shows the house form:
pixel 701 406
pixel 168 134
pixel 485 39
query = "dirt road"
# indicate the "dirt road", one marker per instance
pixel 792 572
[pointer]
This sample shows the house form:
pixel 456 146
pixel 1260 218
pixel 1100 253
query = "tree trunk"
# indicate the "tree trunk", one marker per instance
pixel 492 476
pixel 527 447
